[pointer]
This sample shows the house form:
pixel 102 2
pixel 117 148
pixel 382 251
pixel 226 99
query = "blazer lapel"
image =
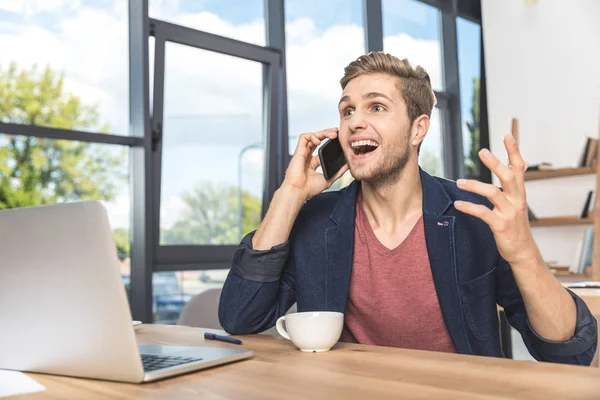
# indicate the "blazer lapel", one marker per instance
pixel 439 236
pixel 340 245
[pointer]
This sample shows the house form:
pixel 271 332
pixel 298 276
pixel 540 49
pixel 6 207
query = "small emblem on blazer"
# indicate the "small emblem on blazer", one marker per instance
pixel 445 223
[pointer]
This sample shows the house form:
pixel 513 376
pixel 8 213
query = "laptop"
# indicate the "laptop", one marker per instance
pixel 63 305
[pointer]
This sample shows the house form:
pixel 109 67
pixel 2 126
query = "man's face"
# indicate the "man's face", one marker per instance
pixel 375 132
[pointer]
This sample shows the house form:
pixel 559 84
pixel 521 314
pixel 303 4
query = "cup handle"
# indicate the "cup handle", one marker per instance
pixel 281 330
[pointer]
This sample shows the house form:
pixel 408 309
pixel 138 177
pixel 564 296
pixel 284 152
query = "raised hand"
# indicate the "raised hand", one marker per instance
pixel 508 220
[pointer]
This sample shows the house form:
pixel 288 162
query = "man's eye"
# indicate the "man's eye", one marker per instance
pixel 378 107
pixel 348 111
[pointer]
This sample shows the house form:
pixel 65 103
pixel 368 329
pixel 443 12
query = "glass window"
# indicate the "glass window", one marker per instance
pixel 75 55
pixel 36 171
pixel 322 37
pixel 431 155
pixel 212 162
pixel 172 290
pixel 469 70
pixel 411 29
pixel 241 20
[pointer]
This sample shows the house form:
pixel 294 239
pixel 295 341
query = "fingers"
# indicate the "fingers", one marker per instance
pixel 330 133
pixel 491 192
pixel 507 177
pixel 308 142
pixel 517 165
pixel 481 212
pixel 315 162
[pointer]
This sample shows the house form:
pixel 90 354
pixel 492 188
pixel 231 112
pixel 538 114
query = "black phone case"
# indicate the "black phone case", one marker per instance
pixel 326 173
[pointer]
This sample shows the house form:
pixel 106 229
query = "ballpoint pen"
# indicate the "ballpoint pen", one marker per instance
pixel 213 336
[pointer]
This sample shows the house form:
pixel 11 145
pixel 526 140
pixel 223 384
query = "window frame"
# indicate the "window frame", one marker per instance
pixel 145 139
pixel 206 257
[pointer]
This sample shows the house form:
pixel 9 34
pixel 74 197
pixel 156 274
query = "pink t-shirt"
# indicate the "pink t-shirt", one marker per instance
pixel 392 299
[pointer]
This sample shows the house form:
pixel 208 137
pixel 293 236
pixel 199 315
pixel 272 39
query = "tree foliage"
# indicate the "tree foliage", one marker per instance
pixel 212 214
pixel 37 171
pixel 472 162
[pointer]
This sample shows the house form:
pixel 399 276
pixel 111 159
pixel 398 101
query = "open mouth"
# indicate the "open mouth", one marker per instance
pixel 362 147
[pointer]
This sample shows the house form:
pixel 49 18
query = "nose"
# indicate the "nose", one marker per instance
pixel 357 122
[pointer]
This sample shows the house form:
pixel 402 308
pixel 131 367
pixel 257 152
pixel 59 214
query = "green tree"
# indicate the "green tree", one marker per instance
pixel 472 158
pixel 37 171
pixel 430 162
pixel 121 238
pixel 212 216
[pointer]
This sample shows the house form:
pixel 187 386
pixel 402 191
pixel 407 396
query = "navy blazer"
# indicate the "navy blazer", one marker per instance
pixel 313 269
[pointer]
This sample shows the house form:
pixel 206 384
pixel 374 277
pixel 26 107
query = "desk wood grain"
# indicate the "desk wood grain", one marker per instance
pixel 348 371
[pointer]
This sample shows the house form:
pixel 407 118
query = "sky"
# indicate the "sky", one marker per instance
pixel 213 109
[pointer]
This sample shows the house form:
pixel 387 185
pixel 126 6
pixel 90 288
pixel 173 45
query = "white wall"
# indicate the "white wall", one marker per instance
pixel 543 67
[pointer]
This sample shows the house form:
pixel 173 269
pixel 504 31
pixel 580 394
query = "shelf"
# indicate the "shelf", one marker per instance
pixel 558 173
pixel 561 221
pixel 563 272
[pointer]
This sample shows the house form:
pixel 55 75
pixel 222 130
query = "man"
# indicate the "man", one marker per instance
pixel 412 260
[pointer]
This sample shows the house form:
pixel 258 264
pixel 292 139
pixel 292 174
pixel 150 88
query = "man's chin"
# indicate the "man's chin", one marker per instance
pixel 363 173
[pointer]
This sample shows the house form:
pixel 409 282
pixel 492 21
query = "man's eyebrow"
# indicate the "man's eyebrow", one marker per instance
pixel 344 98
pixel 372 95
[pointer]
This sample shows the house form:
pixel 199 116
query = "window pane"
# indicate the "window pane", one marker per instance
pixel 469 70
pixel 75 55
pixel 172 290
pixel 322 37
pixel 241 20
pixel 431 155
pixel 411 29
pixel 36 171
pixel 212 176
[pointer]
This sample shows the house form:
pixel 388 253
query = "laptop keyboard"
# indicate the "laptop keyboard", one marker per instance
pixel 152 362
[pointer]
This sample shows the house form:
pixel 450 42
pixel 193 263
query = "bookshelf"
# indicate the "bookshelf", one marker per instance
pixel 559 173
pixel 593 271
pixel 568 220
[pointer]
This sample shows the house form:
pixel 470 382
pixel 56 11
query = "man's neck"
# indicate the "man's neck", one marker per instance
pixel 392 205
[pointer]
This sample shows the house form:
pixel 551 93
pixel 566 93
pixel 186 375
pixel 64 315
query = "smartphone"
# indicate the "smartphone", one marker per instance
pixel 332 158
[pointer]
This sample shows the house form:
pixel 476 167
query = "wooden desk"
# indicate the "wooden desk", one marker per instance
pixel 349 371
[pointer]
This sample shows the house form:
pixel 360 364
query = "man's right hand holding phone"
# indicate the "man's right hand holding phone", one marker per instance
pixel 302 172
pixel 302 181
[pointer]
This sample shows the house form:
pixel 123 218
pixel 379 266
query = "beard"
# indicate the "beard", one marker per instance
pixel 388 169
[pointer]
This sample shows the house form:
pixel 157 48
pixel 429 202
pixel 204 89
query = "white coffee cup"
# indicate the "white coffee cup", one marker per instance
pixel 312 332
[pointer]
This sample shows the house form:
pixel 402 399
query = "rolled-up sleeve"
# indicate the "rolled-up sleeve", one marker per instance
pixel 260 265
pixel 584 338
pixel 259 289
pixel 579 349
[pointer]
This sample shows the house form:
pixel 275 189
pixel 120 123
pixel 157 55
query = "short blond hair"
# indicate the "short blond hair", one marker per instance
pixel 414 85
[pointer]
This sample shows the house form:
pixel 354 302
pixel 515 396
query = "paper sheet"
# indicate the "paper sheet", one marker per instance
pixel 15 382
pixel 586 284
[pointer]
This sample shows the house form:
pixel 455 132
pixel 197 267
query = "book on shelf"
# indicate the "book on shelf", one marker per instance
pixel 588 249
pixel 574 266
pixel 583 252
pixel 589 204
pixel 589 155
pixel 530 214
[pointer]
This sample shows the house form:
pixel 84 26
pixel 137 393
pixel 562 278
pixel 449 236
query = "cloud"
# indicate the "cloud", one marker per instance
pixel 89 45
pixel 213 102
pixel 118 211
pixel 426 53
pixel 32 7
pixel 170 211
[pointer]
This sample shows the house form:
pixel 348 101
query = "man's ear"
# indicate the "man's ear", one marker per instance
pixel 420 127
